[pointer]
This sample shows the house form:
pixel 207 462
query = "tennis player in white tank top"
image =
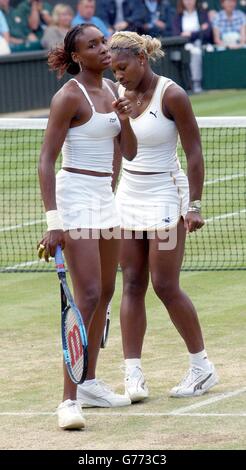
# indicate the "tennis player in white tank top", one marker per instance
pixel 85 118
pixel 158 205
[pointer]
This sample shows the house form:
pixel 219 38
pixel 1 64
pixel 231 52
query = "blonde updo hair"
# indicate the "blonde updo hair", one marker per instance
pixel 128 40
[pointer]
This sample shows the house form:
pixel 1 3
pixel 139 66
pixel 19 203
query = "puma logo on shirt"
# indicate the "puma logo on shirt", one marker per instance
pixel 154 114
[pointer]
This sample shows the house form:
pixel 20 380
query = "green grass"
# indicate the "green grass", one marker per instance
pixel 31 372
pixel 220 103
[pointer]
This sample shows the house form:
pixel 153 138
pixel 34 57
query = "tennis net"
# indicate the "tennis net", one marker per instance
pixel 220 245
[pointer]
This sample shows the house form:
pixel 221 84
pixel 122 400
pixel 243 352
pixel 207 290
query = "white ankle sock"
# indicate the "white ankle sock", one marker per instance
pixel 200 359
pixel 131 363
pixel 87 383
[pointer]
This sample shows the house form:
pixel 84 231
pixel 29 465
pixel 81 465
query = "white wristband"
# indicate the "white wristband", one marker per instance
pixel 53 220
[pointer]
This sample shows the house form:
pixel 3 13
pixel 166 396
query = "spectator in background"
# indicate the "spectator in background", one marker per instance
pixel 86 12
pixel 158 19
pixel 35 15
pixel 193 24
pixel 213 6
pixel 4 35
pixel 16 33
pixel 120 23
pixel 120 15
pixel 134 14
pixel 229 26
pixel 20 36
pixel 151 17
pixel 54 34
pixel 106 11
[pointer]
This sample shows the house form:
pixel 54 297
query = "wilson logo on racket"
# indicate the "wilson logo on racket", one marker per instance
pixel 75 345
pixel 60 266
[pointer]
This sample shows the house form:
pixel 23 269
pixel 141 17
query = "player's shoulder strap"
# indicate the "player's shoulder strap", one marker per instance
pixel 111 87
pixel 83 89
pixel 121 90
pixel 165 83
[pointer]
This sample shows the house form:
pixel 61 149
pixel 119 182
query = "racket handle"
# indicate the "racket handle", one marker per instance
pixel 60 268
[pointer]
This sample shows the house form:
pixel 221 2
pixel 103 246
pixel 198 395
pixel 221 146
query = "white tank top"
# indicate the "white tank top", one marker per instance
pixel 157 135
pixel 91 145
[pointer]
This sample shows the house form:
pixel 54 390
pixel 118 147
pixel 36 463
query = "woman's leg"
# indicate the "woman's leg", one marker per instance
pixel 83 261
pixel 109 258
pixel 134 265
pixel 165 267
pixel 195 66
pixel 93 392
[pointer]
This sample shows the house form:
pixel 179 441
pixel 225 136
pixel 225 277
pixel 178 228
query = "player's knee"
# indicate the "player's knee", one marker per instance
pixel 107 292
pixel 165 290
pixel 134 284
pixel 89 299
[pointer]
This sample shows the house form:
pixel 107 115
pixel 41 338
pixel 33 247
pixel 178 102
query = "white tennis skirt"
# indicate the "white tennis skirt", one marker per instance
pixel 85 201
pixel 152 202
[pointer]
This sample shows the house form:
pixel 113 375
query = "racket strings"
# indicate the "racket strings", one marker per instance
pixel 74 344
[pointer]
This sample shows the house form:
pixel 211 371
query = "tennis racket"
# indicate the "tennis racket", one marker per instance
pixel 106 327
pixel 74 337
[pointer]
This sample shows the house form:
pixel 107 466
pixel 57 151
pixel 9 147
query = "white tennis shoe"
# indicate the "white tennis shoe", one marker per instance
pixel 135 385
pixel 70 415
pixel 196 382
pixel 99 394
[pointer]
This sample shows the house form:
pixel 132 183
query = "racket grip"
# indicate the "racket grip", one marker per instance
pixel 60 268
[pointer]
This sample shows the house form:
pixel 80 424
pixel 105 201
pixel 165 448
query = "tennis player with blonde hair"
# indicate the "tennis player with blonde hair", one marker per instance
pixel 159 205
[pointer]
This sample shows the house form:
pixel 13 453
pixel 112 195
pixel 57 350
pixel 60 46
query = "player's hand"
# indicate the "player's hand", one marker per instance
pixel 47 246
pixel 185 34
pixel 160 24
pixel 123 108
pixel 121 25
pixel 36 5
pixel 193 221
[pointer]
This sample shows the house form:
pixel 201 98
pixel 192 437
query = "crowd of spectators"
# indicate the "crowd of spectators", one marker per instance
pixel 36 24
